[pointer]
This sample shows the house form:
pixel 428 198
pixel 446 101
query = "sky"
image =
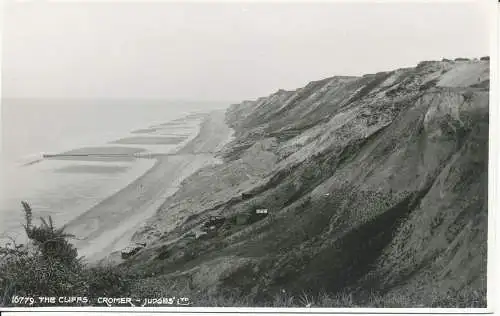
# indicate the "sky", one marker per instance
pixel 222 51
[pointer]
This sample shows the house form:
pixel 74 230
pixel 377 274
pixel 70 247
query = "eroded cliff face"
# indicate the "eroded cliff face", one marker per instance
pixel 373 183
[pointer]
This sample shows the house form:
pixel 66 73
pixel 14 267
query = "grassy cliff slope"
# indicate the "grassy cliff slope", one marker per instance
pixel 374 184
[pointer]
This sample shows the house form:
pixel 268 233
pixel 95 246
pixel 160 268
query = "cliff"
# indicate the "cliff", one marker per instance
pixel 372 184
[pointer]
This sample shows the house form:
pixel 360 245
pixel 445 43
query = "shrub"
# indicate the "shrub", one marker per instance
pixel 468 96
pixel 48 266
pixel 110 281
pixel 51 242
pixel 429 84
pixel 39 270
pixel 424 63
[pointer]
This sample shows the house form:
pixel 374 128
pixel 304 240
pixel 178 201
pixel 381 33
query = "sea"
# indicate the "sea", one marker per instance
pixel 58 188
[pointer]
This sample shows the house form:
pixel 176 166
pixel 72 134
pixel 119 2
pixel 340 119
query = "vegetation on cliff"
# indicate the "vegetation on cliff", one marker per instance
pixel 374 184
pixel 375 189
pixel 49 266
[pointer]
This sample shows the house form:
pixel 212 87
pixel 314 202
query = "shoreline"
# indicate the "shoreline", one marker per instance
pixel 108 227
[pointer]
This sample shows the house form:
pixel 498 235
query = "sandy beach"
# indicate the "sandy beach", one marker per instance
pixel 150 140
pixel 109 226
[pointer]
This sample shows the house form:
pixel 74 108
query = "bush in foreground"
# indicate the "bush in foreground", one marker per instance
pixel 49 266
